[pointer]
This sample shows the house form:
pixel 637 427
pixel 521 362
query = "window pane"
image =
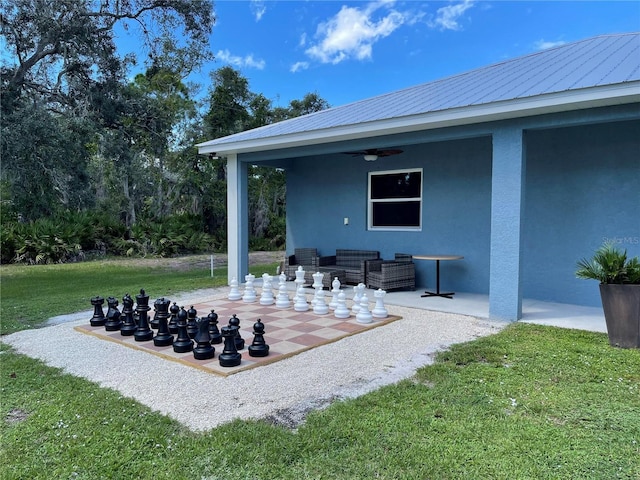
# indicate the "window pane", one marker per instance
pixel 396 185
pixel 396 214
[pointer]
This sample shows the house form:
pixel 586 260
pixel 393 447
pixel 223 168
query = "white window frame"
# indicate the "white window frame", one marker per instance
pixel 370 201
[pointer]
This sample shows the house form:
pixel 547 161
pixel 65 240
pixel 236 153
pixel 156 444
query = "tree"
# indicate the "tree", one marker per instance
pixel 63 88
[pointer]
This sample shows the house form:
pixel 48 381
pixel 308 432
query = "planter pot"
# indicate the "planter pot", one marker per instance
pixel 621 305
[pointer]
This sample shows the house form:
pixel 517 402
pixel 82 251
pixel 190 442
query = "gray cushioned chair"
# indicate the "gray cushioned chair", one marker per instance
pixel 392 274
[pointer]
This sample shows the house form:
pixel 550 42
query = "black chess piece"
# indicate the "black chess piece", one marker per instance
pixel 216 336
pixel 182 343
pixel 153 323
pixel 143 332
pixel 129 325
pixel 173 320
pixel 235 322
pixel 113 322
pixel 163 337
pixel 98 319
pixel 258 348
pixel 192 327
pixel 204 350
pixel 229 356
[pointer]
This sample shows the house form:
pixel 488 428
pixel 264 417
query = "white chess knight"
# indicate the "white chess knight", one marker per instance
pixel 341 310
pixel 379 311
pixel 249 295
pixel 358 291
pixel 266 298
pixel 334 293
pixel 364 315
pixel 234 292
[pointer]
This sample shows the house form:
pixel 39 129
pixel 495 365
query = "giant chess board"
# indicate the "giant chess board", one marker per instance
pixel 287 332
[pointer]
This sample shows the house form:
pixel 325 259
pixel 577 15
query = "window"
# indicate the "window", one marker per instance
pixel 395 200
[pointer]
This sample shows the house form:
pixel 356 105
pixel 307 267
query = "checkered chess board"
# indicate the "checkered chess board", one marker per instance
pixel 287 333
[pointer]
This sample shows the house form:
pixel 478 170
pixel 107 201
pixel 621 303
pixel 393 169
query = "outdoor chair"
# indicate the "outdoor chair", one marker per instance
pixel 392 274
pixel 307 258
pixel 353 262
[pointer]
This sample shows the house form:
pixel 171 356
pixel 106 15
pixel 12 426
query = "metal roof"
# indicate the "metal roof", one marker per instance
pixel 597 71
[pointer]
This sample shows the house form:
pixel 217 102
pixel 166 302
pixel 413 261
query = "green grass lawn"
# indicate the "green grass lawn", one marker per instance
pixel 530 402
pixel 31 294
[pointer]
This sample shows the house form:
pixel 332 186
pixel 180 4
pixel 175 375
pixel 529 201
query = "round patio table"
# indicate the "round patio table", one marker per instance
pixel 437 259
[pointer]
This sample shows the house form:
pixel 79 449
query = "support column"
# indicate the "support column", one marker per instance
pixel 507 208
pixel 237 219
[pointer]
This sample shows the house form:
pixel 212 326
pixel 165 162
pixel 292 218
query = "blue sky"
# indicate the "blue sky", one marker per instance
pixel 350 50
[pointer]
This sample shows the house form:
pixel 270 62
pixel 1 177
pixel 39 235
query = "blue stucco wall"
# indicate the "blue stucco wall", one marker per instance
pixel 323 190
pixel 583 187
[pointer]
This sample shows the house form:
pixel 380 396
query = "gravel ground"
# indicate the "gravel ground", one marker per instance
pixel 282 392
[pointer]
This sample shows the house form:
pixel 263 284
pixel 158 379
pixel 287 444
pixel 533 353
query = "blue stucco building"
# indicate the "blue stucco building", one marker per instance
pixel 524 166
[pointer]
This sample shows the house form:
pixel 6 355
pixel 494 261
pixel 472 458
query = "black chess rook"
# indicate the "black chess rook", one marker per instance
pixel 98 319
pixel 229 356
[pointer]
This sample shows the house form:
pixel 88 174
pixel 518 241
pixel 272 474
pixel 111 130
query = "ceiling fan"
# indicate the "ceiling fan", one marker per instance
pixel 371 154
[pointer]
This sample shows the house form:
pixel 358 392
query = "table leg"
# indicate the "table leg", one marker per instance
pixel 437 293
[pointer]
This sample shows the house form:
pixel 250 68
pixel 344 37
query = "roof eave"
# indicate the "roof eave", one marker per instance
pixel 610 95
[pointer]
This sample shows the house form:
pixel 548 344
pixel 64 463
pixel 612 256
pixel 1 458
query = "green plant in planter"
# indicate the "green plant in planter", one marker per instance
pixel 610 265
pixel 619 279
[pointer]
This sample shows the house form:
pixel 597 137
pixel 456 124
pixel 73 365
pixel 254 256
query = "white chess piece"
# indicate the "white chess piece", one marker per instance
pixel 267 293
pixel 320 305
pixel 379 311
pixel 317 285
pixel 364 315
pixel 357 295
pixel 234 293
pixel 334 293
pixel 301 304
pixel 341 310
pixel 282 300
pixel 249 295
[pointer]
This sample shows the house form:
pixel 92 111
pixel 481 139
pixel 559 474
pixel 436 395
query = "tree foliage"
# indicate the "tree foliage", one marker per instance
pixel 79 136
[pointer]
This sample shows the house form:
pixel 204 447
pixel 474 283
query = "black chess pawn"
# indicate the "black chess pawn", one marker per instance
pixel 129 325
pixel 173 319
pixel 192 326
pixel 182 343
pixel 163 337
pixel 113 322
pixel 229 356
pixel 143 332
pixel 204 350
pixel 258 348
pixel 235 322
pixel 214 332
pixel 98 319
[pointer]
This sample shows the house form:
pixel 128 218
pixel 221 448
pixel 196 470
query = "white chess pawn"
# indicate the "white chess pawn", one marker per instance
pixel 282 300
pixel 249 295
pixel 301 304
pixel 379 311
pixel 364 315
pixel 320 305
pixel 234 293
pixel 282 279
pixel 267 293
pixel 341 310
pixel 334 293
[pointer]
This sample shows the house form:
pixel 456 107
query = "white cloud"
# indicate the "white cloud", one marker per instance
pixel 447 17
pixel 296 67
pixel 237 61
pixel 258 8
pixel 543 44
pixel 353 31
